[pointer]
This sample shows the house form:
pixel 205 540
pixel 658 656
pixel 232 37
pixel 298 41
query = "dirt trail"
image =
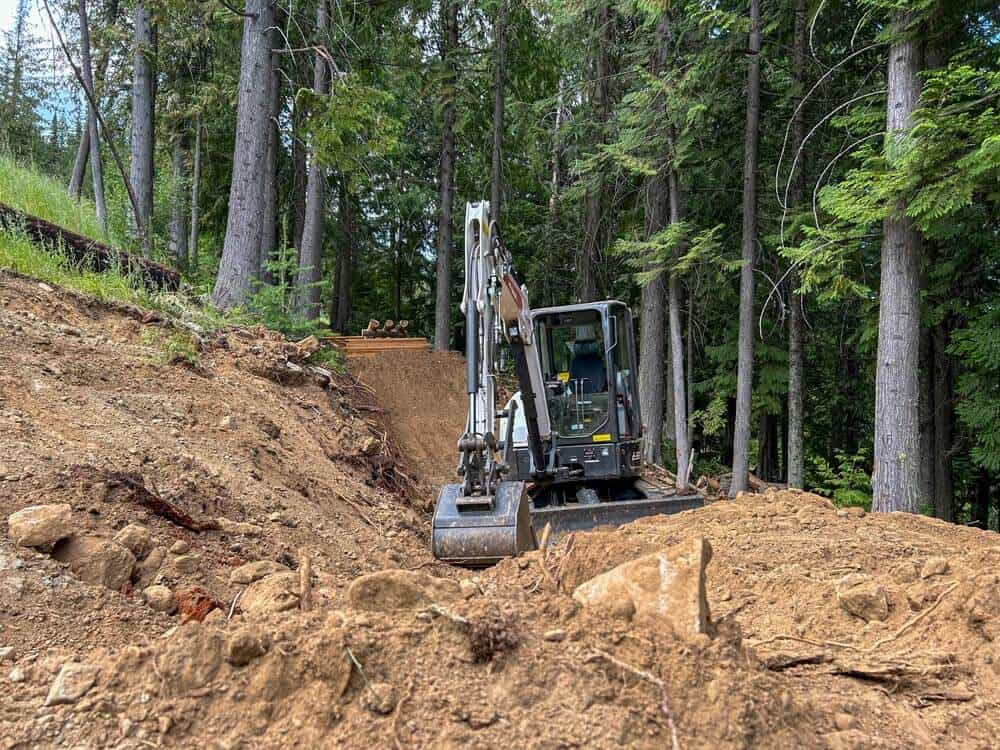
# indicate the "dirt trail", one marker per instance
pixel 326 622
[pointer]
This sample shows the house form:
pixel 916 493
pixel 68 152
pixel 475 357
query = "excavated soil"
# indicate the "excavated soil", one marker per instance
pixel 358 638
pixel 423 395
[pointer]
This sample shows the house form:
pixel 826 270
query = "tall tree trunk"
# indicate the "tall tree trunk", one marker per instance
pixel 442 308
pixel 300 175
pixel 94 141
pixel 897 440
pixel 744 377
pixel 311 256
pixel 195 186
pixel 178 247
pixel 240 250
pixel 342 308
pixel 652 342
pixel 499 77
pixel 80 160
pixel 555 180
pixel 594 222
pixel 689 361
pixel 269 217
pixel 141 172
pixel 795 457
pixel 83 148
pixel 944 418
pixel 927 412
pixel 681 445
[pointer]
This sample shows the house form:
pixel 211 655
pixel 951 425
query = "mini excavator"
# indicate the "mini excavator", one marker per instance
pixel 566 449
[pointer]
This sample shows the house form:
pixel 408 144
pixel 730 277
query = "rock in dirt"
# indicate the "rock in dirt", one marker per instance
pixel 935 566
pixel 390 590
pixel 160 598
pixel 254 571
pixel 180 547
pixel 97 561
pixel 189 658
pixel 238 527
pixel 245 645
pixel 136 538
pixel 278 592
pixel 669 584
pixel 7 654
pixel 40 525
pixel 380 698
pixel 862 597
pixel 844 721
pixel 151 565
pixel 72 683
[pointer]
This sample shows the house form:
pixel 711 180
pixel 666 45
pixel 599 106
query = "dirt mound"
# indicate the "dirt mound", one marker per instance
pixel 278 590
pixel 423 395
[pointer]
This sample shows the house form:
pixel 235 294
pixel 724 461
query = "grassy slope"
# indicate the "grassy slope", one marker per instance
pixel 47 198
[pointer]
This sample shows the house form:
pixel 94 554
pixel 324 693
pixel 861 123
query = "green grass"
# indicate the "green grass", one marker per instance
pixel 18 253
pixel 46 197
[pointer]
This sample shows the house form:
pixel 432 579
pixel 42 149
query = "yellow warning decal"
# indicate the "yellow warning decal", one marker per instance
pixel 602 438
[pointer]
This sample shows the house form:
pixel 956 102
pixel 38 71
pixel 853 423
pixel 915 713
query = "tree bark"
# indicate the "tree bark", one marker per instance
pixel 311 255
pixel 555 180
pixel 689 361
pixel 927 412
pixel 681 445
pixel 499 78
pixel 269 217
pixel 744 377
pixel 240 249
pixel 345 261
pixel 442 309
pixel 944 419
pixel 652 341
pixel 594 223
pixel 178 246
pixel 981 499
pixel 80 160
pixel 141 172
pixel 195 186
pixel 795 457
pixel 93 138
pixel 896 483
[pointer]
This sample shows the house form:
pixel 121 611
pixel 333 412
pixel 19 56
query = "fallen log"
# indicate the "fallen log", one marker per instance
pixel 90 253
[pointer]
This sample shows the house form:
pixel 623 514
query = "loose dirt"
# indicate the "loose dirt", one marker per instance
pixel 327 623
pixel 423 395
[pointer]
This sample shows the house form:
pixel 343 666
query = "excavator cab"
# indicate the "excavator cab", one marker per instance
pixel 588 362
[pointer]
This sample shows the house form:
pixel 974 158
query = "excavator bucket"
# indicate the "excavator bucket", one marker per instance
pixel 478 531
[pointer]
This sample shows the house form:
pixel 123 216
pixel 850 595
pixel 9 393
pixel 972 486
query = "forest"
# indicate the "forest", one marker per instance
pixel 797 198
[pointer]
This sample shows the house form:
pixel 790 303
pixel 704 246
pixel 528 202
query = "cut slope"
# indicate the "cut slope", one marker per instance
pixel 423 394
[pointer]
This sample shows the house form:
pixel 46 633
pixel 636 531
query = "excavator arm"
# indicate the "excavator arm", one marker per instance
pixel 485 517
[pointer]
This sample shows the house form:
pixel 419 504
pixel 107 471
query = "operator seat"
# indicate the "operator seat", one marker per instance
pixel 588 364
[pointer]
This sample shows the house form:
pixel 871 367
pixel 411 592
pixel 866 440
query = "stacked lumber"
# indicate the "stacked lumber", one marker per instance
pixel 389 329
pixel 365 346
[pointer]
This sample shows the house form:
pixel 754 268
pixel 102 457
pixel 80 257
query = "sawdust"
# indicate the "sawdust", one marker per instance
pixel 507 659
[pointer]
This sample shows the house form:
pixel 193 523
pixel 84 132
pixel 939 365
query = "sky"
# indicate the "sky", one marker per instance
pixel 63 99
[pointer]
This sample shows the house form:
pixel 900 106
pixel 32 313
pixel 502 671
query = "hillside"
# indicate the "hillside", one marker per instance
pixel 326 621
